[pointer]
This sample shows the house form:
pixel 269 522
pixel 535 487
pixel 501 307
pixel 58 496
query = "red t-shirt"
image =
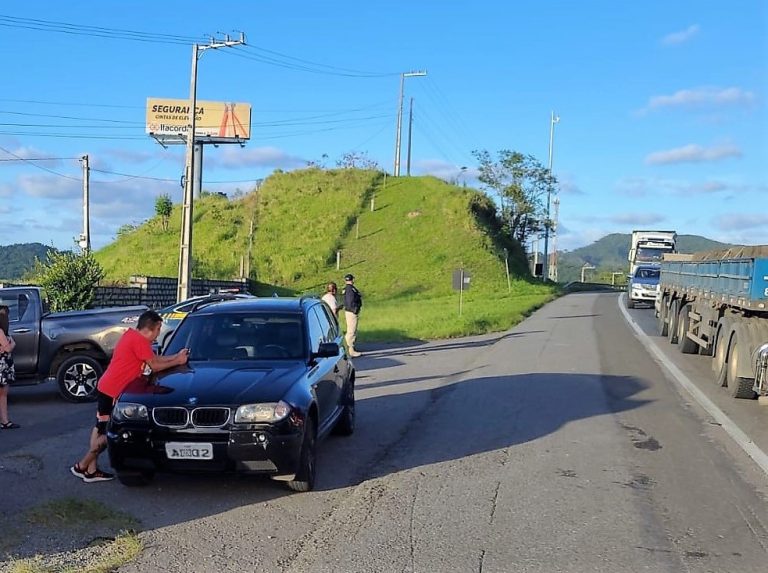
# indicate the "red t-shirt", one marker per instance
pixel 131 353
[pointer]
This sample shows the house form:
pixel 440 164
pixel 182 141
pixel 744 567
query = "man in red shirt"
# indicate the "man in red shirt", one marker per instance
pixel 132 353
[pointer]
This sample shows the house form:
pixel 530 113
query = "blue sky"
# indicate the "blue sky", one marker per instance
pixel 662 104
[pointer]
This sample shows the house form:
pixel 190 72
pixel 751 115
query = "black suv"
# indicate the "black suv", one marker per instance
pixel 267 379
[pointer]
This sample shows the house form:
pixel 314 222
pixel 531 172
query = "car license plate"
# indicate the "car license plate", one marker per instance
pixel 188 451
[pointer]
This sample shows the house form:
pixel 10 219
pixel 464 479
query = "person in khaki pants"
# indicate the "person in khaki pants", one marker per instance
pixel 353 302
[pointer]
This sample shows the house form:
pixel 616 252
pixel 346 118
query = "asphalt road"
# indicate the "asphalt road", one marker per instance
pixel 561 445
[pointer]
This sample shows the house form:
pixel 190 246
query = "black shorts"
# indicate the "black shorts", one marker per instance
pixel 104 404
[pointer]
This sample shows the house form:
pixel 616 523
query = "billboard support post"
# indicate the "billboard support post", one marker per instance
pixel 185 246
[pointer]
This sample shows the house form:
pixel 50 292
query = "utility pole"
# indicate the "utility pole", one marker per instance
pixel 85 237
pixel 247 273
pixel 185 246
pixel 410 136
pixel 553 120
pixel 197 181
pixel 398 135
pixel 553 270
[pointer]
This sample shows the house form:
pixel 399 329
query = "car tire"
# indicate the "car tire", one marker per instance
pixel 77 377
pixel 305 476
pixel 135 479
pixel 345 425
pixel 630 302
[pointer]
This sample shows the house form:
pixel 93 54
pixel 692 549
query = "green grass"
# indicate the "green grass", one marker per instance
pixel 123 549
pixel 69 511
pixel 402 253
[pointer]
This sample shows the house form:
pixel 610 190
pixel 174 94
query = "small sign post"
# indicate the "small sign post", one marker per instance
pixel 461 281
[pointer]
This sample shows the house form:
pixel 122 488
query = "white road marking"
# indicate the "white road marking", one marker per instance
pixel 737 434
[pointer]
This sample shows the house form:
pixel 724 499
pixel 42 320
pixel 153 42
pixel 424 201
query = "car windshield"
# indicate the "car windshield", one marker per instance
pixel 647 273
pixel 240 336
pixel 651 255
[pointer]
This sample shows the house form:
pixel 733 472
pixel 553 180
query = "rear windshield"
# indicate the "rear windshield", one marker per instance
pixel 240 336
pixel 647 273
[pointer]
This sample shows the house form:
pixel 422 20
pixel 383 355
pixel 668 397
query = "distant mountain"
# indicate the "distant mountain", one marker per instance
pixel 17 260
pixel 610 254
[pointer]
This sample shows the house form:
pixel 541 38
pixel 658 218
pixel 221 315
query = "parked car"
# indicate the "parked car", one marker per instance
pixel 73 347
pixel 173 315
pixel 267 379
pixel 643 285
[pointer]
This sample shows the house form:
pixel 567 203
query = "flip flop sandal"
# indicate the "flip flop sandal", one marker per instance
pixel 9 426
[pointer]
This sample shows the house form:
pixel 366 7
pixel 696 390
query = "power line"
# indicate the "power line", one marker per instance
pixel 38 158
pixel 39 166
pixel 93 31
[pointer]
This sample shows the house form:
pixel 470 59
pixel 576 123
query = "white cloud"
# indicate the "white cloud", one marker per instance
pixel 637 218
pixel 445 170
pixel 704 97
pixel 681 36
pixel 642 187
pixel 567 186
pixel 234 157
pixel 693 153
pixel 740 221
pixel 49 186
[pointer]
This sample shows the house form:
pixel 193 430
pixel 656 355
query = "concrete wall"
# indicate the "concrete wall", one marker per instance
pixel 159 292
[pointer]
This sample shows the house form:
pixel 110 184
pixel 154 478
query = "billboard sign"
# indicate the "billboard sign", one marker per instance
pixel 214 120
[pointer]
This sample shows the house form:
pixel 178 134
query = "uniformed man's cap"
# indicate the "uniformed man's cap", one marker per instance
pixel 349 277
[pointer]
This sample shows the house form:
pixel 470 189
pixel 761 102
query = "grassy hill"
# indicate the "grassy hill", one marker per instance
pixel 402 253
pixel 16 260
pixel 610 254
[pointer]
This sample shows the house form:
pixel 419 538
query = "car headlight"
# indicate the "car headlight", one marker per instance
pixel 268 412
pixel 129 411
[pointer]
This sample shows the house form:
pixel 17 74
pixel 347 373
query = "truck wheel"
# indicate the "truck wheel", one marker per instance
pixel 77 377
pixel 674 308
pixel 685 344
pixel 739 387
pixel 661 324
pixel 720 356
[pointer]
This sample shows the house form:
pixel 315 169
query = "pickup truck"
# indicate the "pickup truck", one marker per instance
pixel 643 285
pixel 72 347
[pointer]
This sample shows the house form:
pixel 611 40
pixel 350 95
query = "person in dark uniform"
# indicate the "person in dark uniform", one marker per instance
pixel 353 302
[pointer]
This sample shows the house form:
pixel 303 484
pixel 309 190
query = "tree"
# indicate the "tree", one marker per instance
pixel 356 160
pixel 69 279
pixel 521 183
pixel 163 209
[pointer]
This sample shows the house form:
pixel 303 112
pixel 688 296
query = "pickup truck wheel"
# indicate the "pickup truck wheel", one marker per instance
pixel 305 476
pixel 685 344
pixel 77 377
pixel 738 387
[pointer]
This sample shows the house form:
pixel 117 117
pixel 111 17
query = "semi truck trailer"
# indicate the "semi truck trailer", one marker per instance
pixel 716 304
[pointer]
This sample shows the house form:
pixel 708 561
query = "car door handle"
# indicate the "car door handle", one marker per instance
pixel 21 330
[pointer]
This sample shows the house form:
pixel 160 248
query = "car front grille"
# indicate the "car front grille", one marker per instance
pixel 210 417
pixel 178 417
pixel 172 417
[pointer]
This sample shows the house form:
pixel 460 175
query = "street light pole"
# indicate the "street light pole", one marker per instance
pixel 553 120
pixel 185 246
pixel 398 135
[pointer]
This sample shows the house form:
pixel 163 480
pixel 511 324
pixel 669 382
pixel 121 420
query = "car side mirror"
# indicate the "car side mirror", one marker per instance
pixel 327 350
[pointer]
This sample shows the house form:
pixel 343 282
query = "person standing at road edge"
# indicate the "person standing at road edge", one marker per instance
pixel 329 298
pixel 132 353
pixel 353 302
pixel 7 370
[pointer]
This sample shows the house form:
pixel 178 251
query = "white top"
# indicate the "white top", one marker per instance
pixel 330 300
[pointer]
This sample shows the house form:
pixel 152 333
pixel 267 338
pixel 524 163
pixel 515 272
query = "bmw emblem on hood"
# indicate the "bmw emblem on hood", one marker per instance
pixel 192 401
